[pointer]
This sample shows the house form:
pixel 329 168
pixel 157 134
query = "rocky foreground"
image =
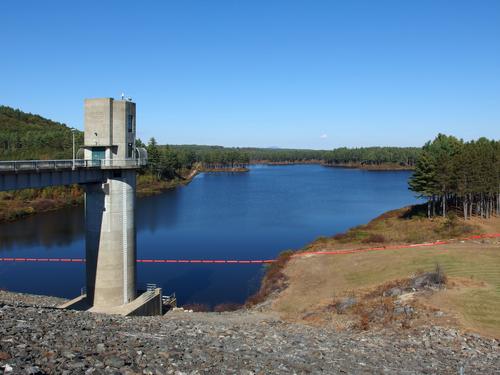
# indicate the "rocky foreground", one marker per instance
pixel 36 338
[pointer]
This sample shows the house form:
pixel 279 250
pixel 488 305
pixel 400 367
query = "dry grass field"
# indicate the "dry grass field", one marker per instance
pixel 471 297
pixel 402 226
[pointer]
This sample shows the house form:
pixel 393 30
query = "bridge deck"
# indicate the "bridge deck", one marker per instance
pixel 25 174
pixel 54 165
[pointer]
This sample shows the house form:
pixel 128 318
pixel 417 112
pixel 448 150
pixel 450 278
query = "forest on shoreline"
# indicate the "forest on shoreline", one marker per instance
pixel 164 160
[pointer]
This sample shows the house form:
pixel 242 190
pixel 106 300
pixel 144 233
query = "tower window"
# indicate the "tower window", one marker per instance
pixel 130 123
pixel 129 150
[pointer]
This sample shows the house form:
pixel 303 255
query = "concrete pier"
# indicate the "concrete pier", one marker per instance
pixel 110 240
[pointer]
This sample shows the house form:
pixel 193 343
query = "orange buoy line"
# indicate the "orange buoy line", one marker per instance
pixel 196 261
pixel 395 247
pixel 264 261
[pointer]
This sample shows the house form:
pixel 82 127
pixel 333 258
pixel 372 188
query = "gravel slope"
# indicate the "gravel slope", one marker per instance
pixel 35 338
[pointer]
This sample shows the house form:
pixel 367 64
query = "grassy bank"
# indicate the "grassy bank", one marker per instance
pixel 402 226
pixel 470 300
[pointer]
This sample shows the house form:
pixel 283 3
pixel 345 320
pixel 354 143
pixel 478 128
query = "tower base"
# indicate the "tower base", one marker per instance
pixel 148 303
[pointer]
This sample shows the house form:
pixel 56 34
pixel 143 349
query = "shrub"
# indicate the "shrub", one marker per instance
pixel 439 276
pixel 429 279
pixel 228 306
pixel 44 204
pixel 364 322
pixel 340 236
pixel 374 238
pixel 321 240
pixel 453 227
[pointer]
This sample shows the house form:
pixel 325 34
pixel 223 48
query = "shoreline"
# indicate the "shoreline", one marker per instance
pixel 225 170
pixel 155 186
pixel 368 167
pixel 372 167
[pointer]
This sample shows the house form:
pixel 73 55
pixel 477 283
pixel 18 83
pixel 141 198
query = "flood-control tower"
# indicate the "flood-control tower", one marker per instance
pixel 109 206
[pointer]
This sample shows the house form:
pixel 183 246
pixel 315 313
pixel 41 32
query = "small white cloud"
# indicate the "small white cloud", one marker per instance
pixel 323 136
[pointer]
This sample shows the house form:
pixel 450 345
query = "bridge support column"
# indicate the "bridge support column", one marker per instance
pixel 110 240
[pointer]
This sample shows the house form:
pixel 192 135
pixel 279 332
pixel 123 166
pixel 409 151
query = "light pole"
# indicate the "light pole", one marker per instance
pixel 73 133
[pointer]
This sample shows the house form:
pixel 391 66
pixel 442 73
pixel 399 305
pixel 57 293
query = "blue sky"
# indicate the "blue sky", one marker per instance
pixel 286 73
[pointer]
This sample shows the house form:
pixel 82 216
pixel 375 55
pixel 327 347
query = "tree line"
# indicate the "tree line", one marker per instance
pixel 402 156
pixel 167 159
pixel 453 175
pixel 24 136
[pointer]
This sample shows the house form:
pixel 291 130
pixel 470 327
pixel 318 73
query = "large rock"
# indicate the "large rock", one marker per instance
pixel 346 303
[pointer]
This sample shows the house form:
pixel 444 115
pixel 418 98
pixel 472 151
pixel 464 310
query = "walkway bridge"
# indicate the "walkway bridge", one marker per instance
pixel 31 174
pixel 107 172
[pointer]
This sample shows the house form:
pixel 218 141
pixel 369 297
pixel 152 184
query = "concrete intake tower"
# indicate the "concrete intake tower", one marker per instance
pixel 109 207
pixel 110 233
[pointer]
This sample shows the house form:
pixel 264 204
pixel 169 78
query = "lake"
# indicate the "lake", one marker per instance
pixel 253 215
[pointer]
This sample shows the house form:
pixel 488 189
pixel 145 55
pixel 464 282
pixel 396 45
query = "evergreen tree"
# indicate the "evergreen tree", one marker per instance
pixel 462 176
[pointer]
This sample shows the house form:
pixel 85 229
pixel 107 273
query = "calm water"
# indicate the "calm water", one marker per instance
pixel 251 215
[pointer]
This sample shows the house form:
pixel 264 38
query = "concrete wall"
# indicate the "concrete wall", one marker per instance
pixel 151 306
pixel 122 109
pixel 41 179
pixel 98 122
pixel 111 240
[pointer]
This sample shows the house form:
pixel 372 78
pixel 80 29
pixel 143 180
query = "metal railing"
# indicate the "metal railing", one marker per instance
pixel 41 165
pixel 121 163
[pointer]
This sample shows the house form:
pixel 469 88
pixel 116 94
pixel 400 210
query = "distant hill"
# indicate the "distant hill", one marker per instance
pixel 25 136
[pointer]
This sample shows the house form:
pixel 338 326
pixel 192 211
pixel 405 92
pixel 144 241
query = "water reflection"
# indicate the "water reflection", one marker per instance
pixel 158 211
pixel 48 230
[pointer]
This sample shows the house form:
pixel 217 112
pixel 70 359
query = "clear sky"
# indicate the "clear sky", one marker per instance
pixel 285 73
